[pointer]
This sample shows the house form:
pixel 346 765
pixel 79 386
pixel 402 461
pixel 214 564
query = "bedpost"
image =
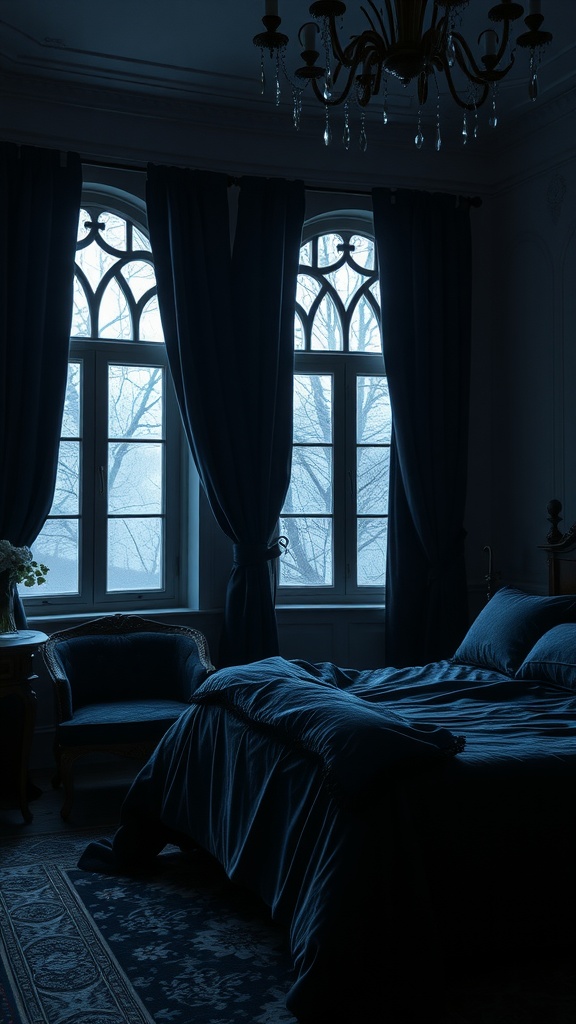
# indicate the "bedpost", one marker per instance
pixel 554 508
pixel 561 550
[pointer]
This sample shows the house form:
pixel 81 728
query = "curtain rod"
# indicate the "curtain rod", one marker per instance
pixel 235 180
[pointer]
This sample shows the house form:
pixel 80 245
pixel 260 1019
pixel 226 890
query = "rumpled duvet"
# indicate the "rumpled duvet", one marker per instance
pixel 387 818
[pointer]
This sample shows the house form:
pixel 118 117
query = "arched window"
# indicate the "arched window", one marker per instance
pixel 110 540
pixel 335 514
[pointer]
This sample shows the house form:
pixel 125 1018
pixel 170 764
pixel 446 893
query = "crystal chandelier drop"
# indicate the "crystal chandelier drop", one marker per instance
pixel 410 41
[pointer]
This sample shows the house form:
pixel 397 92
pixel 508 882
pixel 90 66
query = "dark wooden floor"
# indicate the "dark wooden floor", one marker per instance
pixel 98 794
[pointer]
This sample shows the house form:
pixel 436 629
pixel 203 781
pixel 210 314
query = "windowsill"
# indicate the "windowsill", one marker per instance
pixel 145 613
pixel 281 610
pixel 329 607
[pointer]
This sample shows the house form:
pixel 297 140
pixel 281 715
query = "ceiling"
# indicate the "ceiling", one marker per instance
pixel 203 53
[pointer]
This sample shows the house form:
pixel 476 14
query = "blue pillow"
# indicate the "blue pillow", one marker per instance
pixel 508 627
pixel 553 658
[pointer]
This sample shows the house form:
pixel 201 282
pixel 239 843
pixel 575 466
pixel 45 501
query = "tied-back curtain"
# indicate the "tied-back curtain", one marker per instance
pixel 40 193
pixel 424 252
pixel 228 317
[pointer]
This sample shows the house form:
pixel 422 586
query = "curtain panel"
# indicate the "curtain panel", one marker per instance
pixel 227 300
pixel 424 251
pixel 40 195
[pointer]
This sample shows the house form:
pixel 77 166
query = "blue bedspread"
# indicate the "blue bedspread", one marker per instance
pixel 375 812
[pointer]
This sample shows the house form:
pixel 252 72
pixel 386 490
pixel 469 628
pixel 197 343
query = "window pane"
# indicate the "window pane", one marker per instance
pixel 307 289
pixel 307 561
pixel 66 499
pixel 306 254
pixel 57 547
pixel 135 478
pixel 135 554
pixel 114 233
pixel 135 401
pixel 150 322
pixel 81 326
pixel 345 281
pixel 371 564
pixel 83 225
pixel 373 413
pixel 140 276
pixel 364 329
pixel 363 251
pixel 115 318
pixel 310 489
pixel 140 241
pixel 328 250
pixel 312 408
pixel 327 328
pixel 375 289
pixel 71 414
pixel 299 338
pixel 94 262
pixel 373 467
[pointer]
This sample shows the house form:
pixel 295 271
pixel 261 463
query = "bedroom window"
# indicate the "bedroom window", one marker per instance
pixel 110 538
pixel 336 512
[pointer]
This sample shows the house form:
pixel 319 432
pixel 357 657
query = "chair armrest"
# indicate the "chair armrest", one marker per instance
pixel 60 683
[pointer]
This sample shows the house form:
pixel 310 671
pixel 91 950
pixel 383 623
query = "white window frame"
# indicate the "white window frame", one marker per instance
pixel 95 354
pixel 344 367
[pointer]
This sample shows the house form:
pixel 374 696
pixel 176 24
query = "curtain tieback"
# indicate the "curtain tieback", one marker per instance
pixel 254 554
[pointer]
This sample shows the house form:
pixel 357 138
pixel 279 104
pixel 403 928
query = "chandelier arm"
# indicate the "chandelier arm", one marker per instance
pixel 356 51
pixel 383 34
pixel 469 66
pixel 462 103
pixel 391 22
pixel 481 77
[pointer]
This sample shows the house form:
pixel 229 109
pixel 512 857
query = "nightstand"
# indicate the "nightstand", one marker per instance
pixel 17 713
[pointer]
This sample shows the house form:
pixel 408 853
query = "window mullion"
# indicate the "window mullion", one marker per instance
pixel 99 477
pixel 342 480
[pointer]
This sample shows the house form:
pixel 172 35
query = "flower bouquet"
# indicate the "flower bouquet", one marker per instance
pixel 17 565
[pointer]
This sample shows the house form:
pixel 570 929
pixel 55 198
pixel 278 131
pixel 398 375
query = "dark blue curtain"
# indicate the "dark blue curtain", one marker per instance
pixel 228 317
pixel 424 252
pixel 40 194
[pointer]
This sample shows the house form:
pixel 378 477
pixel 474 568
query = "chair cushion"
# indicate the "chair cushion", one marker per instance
pixel 125 667
pixel 123 722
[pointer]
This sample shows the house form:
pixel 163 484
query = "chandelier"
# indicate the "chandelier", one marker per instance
pixel 409 41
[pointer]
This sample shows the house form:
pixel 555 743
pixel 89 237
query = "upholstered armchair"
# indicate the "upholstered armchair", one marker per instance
pixel 119 682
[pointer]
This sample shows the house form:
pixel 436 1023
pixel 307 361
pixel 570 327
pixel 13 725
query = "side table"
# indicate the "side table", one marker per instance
pixel 16 678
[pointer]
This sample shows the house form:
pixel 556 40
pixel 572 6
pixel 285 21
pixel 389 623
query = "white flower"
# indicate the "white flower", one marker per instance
pixel 20 565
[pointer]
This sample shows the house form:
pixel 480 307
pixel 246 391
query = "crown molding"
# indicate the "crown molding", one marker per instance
pixel 131 126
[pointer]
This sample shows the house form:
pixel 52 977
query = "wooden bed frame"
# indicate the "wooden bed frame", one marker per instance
pixel 561 550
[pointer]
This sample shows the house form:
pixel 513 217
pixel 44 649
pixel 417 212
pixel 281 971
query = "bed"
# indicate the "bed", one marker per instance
pixel 398 822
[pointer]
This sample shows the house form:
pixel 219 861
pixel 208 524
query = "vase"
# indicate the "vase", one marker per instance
pixel 7 620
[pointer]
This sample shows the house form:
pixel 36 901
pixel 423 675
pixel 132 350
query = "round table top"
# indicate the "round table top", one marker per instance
pixel 23 638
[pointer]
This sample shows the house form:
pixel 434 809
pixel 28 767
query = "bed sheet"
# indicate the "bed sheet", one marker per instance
pixel 384 884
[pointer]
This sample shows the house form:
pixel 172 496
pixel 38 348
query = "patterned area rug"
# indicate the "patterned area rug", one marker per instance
pixel 186 946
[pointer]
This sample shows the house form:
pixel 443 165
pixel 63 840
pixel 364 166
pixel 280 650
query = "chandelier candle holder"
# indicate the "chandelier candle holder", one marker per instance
pixel 409 41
